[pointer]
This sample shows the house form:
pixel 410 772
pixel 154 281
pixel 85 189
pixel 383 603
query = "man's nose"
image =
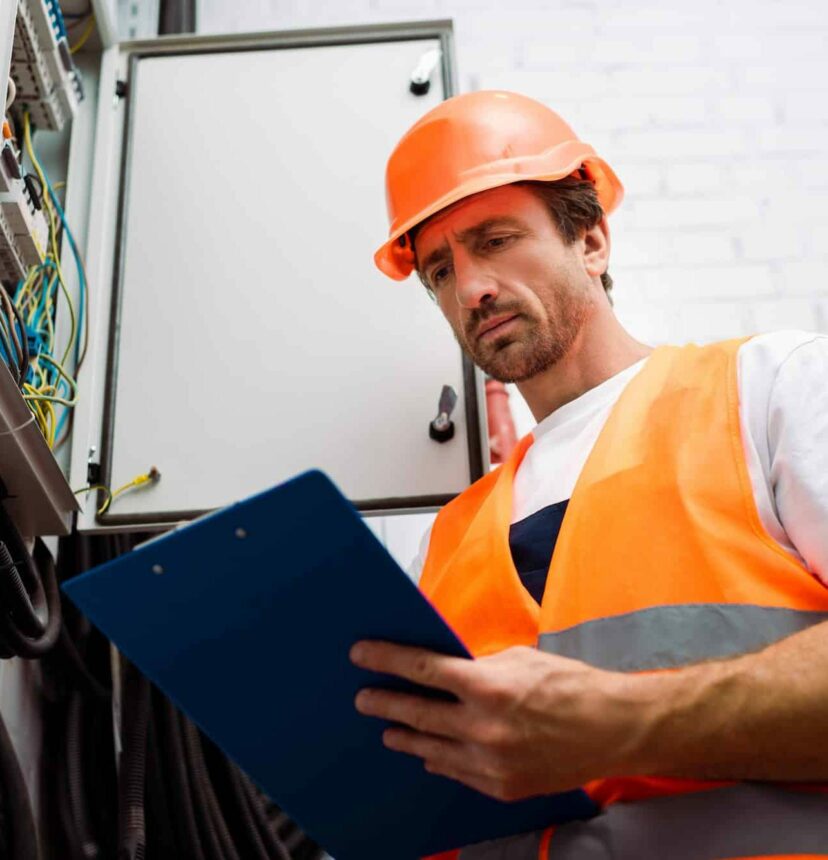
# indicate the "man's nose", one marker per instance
pixel 474 285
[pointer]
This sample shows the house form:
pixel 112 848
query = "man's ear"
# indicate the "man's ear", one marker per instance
pixel 597 248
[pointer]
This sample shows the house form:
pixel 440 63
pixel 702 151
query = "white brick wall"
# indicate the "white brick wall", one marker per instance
pixel 714 114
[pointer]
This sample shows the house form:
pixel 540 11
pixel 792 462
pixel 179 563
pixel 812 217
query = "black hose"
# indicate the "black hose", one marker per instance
pixel 182 796
pixel 213 807
pixel 30 620
pixel 73 666
pixel 89 848
pixel 161 832
pixel 131 820
pixel 25 612
pixel 218 841
pixel 21 836
pixel 271 838
pixel 226 781
pixel 54 782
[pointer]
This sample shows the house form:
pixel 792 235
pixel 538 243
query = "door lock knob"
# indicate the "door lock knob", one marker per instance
pixel 441 428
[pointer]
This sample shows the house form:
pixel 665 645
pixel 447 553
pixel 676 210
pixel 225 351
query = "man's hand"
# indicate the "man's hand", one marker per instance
pixel 526 723
pixel 530 723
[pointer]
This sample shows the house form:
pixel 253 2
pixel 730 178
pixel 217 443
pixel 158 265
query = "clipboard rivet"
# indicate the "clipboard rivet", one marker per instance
pixel 157 569
pixel 241 533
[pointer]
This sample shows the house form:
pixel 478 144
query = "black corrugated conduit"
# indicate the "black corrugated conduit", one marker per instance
pixel 132 776
pixel 84 838
pixel 180 779
pixel 226 780
pixel 256 807
pixel 218 845
pixel 29 596
pixel 161 832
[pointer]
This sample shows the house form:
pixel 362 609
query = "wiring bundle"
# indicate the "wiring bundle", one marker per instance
pixel 28 331
pixel 49 388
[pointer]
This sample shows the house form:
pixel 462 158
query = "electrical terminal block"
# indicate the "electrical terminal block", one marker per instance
pixel 12 267
pixel 47 80
pixel 28 226
pixel 10 172
pixel 49 25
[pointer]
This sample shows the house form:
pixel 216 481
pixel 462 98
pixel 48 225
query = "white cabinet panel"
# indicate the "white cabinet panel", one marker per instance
pixel 254 338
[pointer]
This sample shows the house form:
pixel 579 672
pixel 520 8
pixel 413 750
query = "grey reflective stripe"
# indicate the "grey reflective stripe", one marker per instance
pixel 666 636
pixel 525 847
pixel 745 820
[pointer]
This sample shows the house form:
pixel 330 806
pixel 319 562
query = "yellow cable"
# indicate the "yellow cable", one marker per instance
pixel 139 480
pixel 87 32
pixel 52 424
pixel 105 489
pixel 48 398
pixel 27 139
pixel 27 285
pixel 27 294
pixel 60 369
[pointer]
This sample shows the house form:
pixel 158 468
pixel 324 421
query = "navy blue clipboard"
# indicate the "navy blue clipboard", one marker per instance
pixel 245 618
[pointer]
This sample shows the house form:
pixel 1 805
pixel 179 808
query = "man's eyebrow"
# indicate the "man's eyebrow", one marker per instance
pixel 484 226
pixel 438 255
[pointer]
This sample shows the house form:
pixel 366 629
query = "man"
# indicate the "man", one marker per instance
pixel 684 492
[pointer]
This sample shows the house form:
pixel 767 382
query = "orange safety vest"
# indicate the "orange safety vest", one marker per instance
pixel 661 561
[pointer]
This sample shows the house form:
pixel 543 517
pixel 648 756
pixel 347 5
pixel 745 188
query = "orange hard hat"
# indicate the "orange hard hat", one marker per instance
pixel 471 143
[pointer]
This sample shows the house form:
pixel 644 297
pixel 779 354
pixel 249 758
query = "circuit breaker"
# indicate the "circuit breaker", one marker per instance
pixel 42 68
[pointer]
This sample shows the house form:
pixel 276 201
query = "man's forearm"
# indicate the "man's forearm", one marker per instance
pixel 762 716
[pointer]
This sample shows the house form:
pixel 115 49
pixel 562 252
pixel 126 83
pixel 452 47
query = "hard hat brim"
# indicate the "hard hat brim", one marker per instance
pixel 397 261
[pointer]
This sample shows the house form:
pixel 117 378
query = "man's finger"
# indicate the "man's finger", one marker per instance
pixel 428 747
pixel 424 715
pixel 450 770
pixel 440 756
pixel 416 664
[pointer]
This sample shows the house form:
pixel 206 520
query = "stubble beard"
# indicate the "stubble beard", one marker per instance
pixel 537 345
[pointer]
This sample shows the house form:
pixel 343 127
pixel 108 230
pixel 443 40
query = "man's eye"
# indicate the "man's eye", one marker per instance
pixel 497 241
pixel 439 275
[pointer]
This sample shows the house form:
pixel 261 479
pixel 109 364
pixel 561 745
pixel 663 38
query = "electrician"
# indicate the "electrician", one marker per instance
pixel 684 491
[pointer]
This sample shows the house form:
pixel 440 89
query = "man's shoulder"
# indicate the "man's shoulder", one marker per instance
pixel 776 347
pixel 761 356
pixel 780 357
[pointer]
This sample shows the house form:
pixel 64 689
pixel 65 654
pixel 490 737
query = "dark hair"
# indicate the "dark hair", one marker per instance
pixel 573 205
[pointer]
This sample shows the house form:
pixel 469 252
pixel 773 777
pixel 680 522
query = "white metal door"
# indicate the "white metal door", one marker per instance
pixel 255 339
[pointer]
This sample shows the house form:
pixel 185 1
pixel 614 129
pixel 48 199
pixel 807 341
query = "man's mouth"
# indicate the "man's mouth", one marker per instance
pixel 493 326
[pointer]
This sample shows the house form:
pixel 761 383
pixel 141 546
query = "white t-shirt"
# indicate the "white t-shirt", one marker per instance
pixel 783 408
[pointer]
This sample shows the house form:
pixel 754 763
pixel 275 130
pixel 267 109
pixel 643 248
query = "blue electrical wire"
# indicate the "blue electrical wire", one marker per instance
pixel 37 334
pixel 83 287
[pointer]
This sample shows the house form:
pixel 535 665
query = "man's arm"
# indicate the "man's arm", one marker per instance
pixel 763 716
pixel 530 723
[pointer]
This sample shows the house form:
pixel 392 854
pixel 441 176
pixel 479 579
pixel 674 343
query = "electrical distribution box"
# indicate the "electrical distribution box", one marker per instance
pixel 240 332
pixel 38 81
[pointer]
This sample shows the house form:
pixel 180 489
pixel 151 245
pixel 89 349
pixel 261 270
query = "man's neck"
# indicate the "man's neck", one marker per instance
pixel 602 349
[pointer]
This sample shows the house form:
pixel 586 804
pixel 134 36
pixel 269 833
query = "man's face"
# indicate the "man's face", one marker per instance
pixel 515 295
